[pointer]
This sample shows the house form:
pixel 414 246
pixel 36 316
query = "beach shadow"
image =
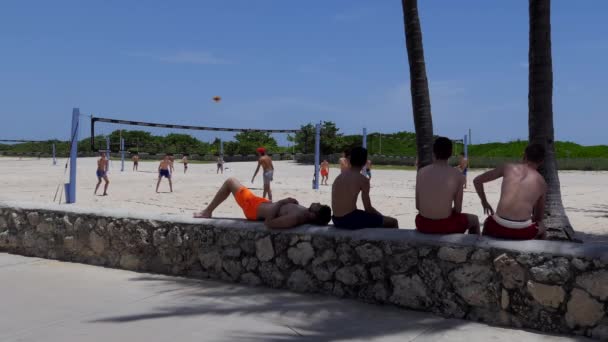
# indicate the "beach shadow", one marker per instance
pixel 309 317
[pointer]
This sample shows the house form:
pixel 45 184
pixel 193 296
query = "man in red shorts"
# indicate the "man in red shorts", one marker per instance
pixel 520 211
pixel 439 192
pixel 286 213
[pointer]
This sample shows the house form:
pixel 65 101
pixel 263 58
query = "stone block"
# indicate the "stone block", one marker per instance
pixel 33 218
pixel 595 283
pixel 546 295
pixel 410 292
pixel 583 311
pixel 301 254
pixel 264 249
pixel 555 271
pixel 369 253
pixel 451 254
pixel 512 273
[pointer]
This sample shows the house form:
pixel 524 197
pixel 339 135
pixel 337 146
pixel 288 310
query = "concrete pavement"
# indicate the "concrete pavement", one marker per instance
pixel 46 300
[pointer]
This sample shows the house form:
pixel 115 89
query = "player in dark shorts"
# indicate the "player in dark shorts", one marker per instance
pixel 102 173
pixel 344 194
pixel 163 171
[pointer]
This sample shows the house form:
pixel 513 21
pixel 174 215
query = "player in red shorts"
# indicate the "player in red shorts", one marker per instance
pixel 324 172
pixel 520 211
pixel 439 192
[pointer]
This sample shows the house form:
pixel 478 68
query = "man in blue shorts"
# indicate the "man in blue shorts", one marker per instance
pixel 163 171
pixel 344 194
pixel 102 173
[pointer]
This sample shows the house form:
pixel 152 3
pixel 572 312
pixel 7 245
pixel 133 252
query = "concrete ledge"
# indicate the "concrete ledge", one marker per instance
pixel 544 285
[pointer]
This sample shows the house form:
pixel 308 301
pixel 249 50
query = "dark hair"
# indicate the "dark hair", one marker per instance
pixel 358 156
pixel 462 154
pixel 442 148
pixel 347 153
pixel 535 153
pixel 323 216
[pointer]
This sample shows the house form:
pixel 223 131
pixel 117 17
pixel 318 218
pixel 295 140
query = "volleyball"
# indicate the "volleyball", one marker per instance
pixel 217 99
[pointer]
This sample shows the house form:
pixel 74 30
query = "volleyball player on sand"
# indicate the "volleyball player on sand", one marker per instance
pixel 102 173
pixel 164 171
pixel 265 162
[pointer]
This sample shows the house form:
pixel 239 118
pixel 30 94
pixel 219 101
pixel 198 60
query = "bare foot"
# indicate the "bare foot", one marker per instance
pixel 105 194
pixel 203 214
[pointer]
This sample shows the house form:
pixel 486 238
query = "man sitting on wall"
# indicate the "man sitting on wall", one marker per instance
pixel 520 211
pixel 439 193
pixel 286 213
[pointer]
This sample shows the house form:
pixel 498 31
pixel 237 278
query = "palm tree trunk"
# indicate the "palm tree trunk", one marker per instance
pixel 540 114
pixel 419 86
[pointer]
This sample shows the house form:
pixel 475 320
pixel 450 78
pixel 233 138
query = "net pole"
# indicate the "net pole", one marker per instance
pixel 315 184
pixel 122 154
pixel 364 137
pixel 54 156
pixel 70 188
pixel 466 146
pixel 108 150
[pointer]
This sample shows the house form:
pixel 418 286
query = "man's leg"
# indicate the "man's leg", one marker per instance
pixel 473 227
pixel 97 186
pixel 158 183
pixel 170 184
pixel 230 186
pixel 105 187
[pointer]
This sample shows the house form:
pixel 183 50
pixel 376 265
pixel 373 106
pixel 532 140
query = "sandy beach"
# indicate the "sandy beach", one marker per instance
pixel 584 193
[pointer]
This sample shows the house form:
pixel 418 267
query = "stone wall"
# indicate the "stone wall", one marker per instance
pixel 543 285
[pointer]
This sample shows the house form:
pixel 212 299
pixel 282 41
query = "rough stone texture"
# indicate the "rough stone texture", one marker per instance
pixel 583 311
pixel 264 249
pixel 471 283
pixel 513 275
pixel 369 253
pixel 456 255
pixel 409 292
pixel 546 295
pixel 499 282
pixel 504 299
pixel 301 254
pixel 595 283
pixel 556 271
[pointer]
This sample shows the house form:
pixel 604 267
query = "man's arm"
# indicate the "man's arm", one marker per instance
pixel 287 221
pixel 367 202
pixel 257 169
pixel 107 163
pixel 417 192
pixel 459 195
pixel 539 209
pixel 485 178
pixel 276 207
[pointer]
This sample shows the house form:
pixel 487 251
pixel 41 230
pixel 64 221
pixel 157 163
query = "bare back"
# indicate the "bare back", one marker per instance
pixel 135 158
pixel 439 191
pixel 164 165
pixel 345 191
pixel 265 209
pixel 522 189
pixel 266 163
pixel 102 164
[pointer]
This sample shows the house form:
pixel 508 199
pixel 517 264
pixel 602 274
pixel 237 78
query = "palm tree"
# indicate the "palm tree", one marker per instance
pixel 540 113
pixel 419 86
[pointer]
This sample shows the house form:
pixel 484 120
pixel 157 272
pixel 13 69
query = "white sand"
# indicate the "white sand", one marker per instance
pixel 584 193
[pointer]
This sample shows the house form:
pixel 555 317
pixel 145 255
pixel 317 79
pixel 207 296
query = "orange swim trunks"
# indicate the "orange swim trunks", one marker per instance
pixel 249 203
pixel 324 172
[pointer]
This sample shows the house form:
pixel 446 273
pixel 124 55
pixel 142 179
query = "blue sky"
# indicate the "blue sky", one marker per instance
pixel 280 64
